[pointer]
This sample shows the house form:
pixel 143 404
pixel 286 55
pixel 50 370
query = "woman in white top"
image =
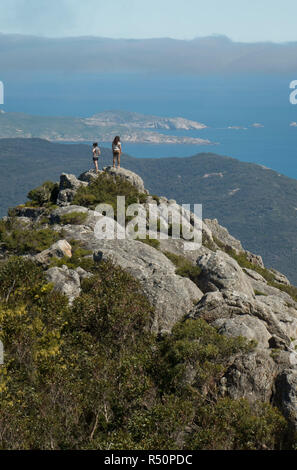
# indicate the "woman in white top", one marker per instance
pixel 116 151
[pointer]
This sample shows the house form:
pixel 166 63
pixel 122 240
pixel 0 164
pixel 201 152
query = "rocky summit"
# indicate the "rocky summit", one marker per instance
pixel 219 283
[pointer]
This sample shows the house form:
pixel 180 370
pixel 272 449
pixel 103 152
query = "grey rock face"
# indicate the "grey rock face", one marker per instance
pixel 69 185
pixel 221 272
pixel 223 305
pixel 254 259
pixel 254 275
pixel 83 274
pixel 222 234
pixel 177 247
pixel 65 280
pixel 89 176
pixel 251 376
pixel 127 175
pixel 68 181
pixel 264 288
pixel 65 197
pixel 133 178
pixel 279 277
pixel 286 395
pixel 284 313
pixel 244 325
pixel 216 305
pixel 231 306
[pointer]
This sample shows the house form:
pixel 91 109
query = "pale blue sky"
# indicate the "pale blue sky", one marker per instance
pixel 241 20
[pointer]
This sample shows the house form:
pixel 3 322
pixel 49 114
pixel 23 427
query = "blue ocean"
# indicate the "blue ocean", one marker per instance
pixel 228 105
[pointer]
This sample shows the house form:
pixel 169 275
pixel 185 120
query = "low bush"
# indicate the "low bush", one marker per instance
pixel 257 292
pixel 195 344
pixel 184 267
pixel 73 218
pixel 150 241
pixel 156 198
pixel 80 258
pixel 235 424
pixel 208 243
pixel 16 238
pixel 47 193
pixel 105 189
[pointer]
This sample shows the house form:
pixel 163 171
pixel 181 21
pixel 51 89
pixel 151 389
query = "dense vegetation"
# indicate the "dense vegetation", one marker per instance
pixel 184 267
pixel 105 189
pixel 16 237
pixel 92 376
pixel 261 214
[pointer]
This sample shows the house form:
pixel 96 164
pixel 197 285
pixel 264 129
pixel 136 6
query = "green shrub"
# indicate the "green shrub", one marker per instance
pixel 156 198
pixel 176 229
pixel 184 267
pixel 73 218
pixel 16 238
pixel 195 343
pixel 235 424
pixel 209 243
pixel 257 292
pixel 142 197
pixel 131 312
pixel 150 241
pixel 105 189
pixel 80 258
pixel 18 276
pixel 46 193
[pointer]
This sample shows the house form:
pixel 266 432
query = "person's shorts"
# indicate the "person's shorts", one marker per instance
pixel 116 154
pixel 95 159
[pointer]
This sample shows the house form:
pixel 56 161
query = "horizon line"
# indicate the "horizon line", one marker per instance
pixel 158 38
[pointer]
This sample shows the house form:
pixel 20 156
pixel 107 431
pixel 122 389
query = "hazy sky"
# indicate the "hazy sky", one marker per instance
pixel 241 20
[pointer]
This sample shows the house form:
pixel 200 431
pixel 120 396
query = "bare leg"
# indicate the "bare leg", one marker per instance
pixel 96 166
pixel 119 160
pixel 114 159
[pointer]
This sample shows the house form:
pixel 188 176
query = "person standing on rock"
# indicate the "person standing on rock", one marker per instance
pixel 96 154
pixel 116 151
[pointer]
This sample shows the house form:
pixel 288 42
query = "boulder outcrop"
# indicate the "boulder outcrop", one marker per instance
pixel 236 298
pixel 65 280
pixel 221 272
pixel 60 249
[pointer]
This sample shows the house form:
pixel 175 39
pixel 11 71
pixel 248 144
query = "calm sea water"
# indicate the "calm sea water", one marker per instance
pixel 218 102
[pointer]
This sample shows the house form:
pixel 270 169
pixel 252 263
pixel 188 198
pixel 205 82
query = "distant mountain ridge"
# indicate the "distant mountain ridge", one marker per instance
pixel 257 205
pixel 215 54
